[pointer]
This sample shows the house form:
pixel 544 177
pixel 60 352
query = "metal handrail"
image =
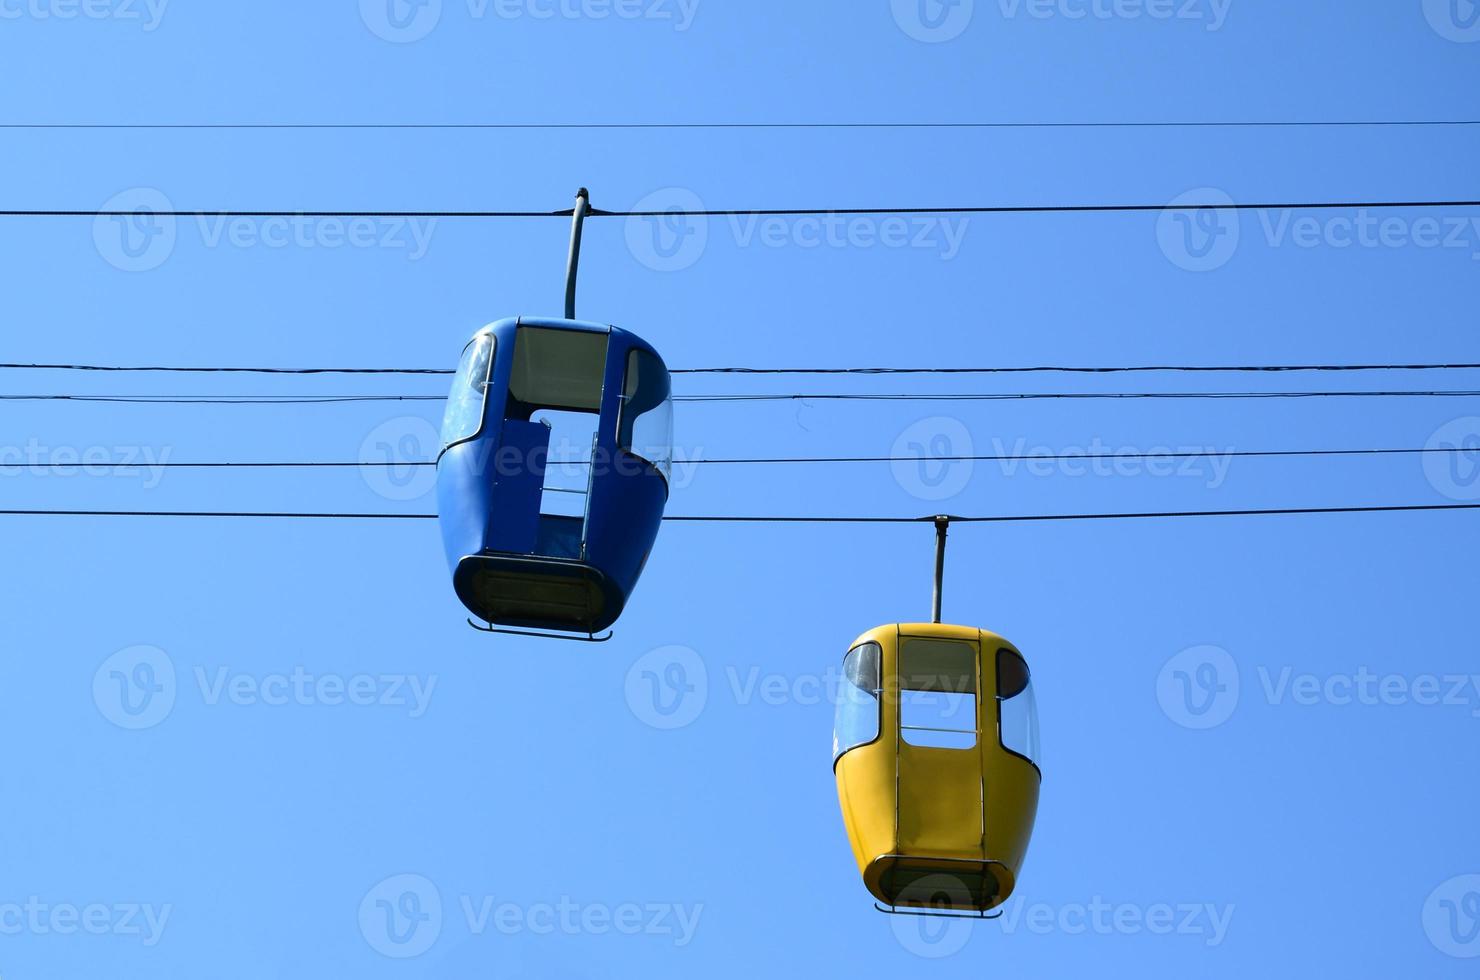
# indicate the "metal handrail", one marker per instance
pixel 923 728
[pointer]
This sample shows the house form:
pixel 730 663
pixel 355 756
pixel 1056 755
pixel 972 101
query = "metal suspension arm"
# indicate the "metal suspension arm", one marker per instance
pixel 578 222
pixel 942 525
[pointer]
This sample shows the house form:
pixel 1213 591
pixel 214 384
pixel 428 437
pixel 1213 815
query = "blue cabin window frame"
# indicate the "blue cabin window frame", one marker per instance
pixel 492 343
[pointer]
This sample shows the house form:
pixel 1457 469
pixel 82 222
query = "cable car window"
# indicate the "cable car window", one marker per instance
pixel 937 693
pixel 646 426
pixel 857 699
pixel 559 369
pixel 1018 728
pixel 464 417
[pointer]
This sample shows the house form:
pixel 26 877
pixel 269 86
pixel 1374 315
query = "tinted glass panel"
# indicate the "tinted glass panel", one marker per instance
pixel 560 369
pixel 465 404
pixel 646 427
pixel 1019 706
pixel 857 700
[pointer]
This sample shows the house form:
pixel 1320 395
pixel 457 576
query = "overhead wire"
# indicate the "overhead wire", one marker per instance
pixel 944 125
pixel 771 519
pixel 1072 395
pixel 1194 368
pixel 819 460
pixel 110 368
pixel 757 212
pixel 223 399
pixel 1242 368
pixel 773 397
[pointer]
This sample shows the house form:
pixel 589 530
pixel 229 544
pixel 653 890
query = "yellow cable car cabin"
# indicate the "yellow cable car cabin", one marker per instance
pixel 935 754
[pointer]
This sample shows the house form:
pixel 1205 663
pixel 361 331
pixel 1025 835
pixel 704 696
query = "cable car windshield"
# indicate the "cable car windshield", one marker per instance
pixel 464 418
pixel 646 427
pixel 937 692
pixel 1019 706
pixel 857 699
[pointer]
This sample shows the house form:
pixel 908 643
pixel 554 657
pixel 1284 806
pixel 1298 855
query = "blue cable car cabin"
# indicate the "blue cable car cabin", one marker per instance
pixel 544 534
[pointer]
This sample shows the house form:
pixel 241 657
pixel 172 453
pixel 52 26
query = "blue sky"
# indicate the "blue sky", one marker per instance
pixel 335 737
